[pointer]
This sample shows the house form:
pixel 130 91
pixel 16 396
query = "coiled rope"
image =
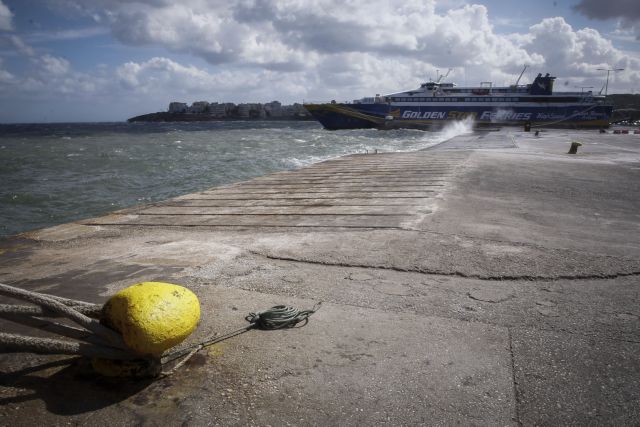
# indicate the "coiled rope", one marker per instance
pixel 276 317
pixel 280 316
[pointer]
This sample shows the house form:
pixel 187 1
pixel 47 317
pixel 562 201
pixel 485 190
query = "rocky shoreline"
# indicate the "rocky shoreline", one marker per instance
pixel 164 116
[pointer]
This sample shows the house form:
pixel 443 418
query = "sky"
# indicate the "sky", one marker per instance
pixel 107 60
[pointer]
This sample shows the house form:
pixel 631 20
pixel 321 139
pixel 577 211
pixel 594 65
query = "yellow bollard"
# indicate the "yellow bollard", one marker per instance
pixel 152 316
pixel 574 147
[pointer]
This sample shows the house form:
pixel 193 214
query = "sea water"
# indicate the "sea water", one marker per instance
pixel 56 173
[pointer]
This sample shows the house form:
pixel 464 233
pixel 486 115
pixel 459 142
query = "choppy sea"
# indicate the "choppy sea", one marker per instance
pixel 56 173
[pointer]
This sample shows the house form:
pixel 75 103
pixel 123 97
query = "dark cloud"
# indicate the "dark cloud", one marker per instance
pixel 628 10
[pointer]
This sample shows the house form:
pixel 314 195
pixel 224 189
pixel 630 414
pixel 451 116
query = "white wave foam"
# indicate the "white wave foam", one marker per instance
pixel 456 128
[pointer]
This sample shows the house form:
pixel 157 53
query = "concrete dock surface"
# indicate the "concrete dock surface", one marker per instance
pixel 493 279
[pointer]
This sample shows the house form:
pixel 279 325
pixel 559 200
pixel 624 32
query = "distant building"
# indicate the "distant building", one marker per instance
pixel 218 110
pixel 273 109
pixel 229 110
pixel 198 107
pixel 177 107
pixel 257 111
pixel 244 111
pixel 299 110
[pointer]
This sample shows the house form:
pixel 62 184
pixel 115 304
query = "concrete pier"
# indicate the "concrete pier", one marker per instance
pixel 491 280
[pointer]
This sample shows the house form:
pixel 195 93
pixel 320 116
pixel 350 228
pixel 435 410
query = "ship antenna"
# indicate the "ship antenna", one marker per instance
pixel 523 70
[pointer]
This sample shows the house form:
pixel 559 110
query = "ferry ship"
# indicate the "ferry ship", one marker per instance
pixel 434 104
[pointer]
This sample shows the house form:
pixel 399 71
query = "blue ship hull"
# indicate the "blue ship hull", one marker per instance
pixel 335 116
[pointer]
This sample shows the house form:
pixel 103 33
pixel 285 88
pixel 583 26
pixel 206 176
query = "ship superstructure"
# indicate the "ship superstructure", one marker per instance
pixel 434 104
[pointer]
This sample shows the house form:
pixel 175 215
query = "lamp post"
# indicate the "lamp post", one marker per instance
pixel 608 70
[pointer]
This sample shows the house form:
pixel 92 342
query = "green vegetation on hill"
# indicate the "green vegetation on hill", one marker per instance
pixel 626 106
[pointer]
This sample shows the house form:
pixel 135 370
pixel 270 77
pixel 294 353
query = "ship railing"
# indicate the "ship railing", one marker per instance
pixel 366 100
pixel 331 101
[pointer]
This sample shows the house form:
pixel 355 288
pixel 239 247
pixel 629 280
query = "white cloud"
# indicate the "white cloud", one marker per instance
pixel 5 76
pixel 20 46
pixel 73 34
pixel 53 65
pixel 5 18
pixel 627 12
pixel 599 9
pixel 189 81
pixel 578 54
pixel 256 50
pixel 299 36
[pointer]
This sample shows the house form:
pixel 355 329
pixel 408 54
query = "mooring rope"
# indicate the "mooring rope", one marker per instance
pixel 96 340
pixel 59 307
pixel 277 317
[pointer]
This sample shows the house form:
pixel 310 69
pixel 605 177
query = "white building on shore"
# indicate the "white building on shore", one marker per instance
pixel 178 107
pixel 198 107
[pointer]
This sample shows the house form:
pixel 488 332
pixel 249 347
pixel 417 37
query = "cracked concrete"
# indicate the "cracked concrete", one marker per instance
pixel 492 280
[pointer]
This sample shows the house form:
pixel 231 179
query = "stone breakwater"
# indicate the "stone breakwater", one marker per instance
pixel 492 279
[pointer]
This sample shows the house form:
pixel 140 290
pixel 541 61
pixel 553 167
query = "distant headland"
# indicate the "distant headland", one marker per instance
pixel 204 111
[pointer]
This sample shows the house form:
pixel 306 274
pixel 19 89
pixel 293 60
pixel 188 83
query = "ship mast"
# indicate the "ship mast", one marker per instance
pixel 442 76
pixel 519 77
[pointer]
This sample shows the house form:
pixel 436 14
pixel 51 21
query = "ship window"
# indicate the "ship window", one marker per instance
pixel 467 99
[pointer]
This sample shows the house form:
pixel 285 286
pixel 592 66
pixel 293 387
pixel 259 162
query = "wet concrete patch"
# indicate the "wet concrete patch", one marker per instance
pixel 89 283
pixel 13 250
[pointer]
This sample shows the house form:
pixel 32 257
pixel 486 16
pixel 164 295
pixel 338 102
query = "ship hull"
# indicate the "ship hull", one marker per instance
pixel 334 116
